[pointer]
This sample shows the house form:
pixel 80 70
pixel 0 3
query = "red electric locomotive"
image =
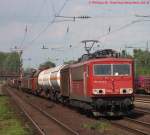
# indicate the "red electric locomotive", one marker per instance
pixel 104 85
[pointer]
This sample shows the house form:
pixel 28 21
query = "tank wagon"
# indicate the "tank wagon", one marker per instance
pixel 49 81
pixel 101 84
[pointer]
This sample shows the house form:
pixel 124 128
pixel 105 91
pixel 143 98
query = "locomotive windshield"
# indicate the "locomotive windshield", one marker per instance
pixel 102 69
pixel 121 69
pixel 112 69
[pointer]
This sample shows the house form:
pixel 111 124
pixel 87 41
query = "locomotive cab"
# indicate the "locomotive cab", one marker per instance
pixel 111 84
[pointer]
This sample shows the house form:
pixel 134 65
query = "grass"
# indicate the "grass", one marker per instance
pixel 100 126
pixel 9 123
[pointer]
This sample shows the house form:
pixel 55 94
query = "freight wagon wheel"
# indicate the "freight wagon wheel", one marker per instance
pixel 55 96
pixel 47 93
pixel 52 95
pixel 58 96
pixel 65 101
pixel 38 91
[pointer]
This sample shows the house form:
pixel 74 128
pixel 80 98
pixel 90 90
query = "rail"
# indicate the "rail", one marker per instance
pixel 50 117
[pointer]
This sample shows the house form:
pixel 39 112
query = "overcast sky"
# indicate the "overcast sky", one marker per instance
pixel 28 24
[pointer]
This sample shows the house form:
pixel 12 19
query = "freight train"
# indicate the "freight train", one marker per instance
pixel 142 84
pixel 101 83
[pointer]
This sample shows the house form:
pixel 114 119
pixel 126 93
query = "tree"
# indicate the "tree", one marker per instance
pixel 47 64
pixel 9 63
pixel 142 61
pixel 12 62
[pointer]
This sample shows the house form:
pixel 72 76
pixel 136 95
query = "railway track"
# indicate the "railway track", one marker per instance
pixel 142 110
pixel 48 124
pixel 142 96
pixel 119 123
pixel 138 121
pixel 135 126
pixel 145 100
pixel 142 100
pixel 55 120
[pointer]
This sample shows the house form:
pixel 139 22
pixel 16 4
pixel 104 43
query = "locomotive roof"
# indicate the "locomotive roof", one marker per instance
pixel 102 59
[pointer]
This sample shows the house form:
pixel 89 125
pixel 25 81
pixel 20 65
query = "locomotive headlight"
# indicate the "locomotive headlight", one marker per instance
pixel 98 91
pixel 126 91
pixel 130 90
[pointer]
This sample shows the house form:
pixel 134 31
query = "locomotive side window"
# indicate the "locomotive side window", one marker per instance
pixel 121 69
pixel 102 69
pixel 77 73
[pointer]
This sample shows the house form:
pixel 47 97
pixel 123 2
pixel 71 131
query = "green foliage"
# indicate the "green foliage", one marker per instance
pixel 142 62
pixel 9 125
pixel 9 62
pixel 47 64
pixel 101 126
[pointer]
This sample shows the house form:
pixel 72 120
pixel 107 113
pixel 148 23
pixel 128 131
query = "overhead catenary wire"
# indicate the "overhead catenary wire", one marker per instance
pixel 47 6
pixel 61 21
pixel 49 24
pixel 53 7
pixel 146 16
pixel 24 37
pixel 38 13
pixel 122 27
pixel 105 35
pixel 53 21
pixel 21 48
pixel 117 30
pixel 110 31
pixel 32 26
